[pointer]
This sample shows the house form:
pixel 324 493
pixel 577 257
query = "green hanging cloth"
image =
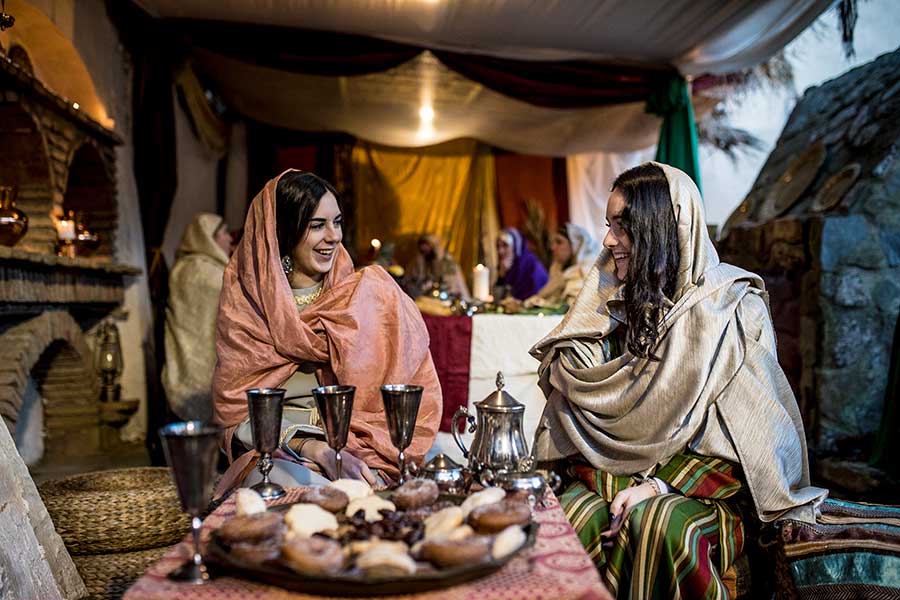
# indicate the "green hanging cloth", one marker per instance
pixel 678 135
pixel 887 443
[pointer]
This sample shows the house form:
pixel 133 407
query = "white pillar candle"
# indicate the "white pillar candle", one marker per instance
pixel 481 282
pixel 65 229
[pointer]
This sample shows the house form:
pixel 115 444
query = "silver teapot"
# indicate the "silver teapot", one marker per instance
pixel 499 445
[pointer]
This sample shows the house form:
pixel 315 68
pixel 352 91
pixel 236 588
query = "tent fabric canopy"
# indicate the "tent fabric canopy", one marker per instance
pixel 525 75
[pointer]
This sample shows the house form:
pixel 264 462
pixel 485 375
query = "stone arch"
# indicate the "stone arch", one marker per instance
pixel 91 190
pixel 25 163
pixel 50 349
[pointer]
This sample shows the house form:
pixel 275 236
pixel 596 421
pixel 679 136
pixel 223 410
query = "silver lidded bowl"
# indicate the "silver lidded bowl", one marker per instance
pixel 450 476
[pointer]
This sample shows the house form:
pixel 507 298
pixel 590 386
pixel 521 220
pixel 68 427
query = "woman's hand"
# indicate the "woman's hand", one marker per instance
pixel 324 456
pixel 624 502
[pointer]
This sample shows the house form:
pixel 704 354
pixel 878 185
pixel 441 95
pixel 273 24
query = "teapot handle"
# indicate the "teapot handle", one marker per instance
pixel 462 411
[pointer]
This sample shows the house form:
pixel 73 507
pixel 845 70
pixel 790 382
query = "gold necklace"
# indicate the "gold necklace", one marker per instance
pixel 304 300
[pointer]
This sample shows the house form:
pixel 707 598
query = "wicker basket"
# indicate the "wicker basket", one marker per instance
pixel 124 510
pixel 107 576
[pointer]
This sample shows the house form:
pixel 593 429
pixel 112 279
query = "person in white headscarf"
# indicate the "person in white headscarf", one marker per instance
pixel 574 254
pixel 666 405
pixel 190 331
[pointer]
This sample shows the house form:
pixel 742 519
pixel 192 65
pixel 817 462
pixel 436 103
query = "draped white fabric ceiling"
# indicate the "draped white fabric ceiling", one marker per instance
pixel 697 36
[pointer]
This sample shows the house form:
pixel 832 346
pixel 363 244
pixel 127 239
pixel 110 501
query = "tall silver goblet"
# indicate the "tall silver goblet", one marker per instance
pixel 191 450
pixel 335 403
pixel 401 407
pixel 266 406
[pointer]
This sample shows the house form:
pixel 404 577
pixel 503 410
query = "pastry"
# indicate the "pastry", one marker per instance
pixel 248 502
pixel 313 556
pixel 331 499
pixel 371 507
pixel 303 520
pixel 354 488
pixel 445 552
pixel 486 496
pixel 491 518
pixel 443 521
pixel 385 560
pixel 416 493
pixel 507 541
pixel 251 529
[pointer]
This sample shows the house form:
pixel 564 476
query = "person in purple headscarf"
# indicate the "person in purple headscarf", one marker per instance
pixel 519 268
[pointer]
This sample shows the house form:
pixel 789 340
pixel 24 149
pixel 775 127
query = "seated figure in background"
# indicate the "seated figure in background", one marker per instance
pixel 435 266
pixel 295 314
pixel 666 406
pixel 574 254
pixel 518 267
pixel 190 330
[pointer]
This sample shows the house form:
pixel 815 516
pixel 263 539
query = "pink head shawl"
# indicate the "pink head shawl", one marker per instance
pixel 363 327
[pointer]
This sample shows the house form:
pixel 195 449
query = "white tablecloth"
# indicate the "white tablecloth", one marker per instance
pixel 501 343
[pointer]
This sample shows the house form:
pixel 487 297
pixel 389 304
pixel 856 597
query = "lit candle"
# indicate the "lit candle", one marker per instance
pixel 481 282
pixel 65 229
pixel 376 244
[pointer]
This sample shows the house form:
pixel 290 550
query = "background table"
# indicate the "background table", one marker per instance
pixel 498 343
pixel 556 567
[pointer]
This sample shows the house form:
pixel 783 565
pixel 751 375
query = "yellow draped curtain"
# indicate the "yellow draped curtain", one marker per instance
pixel 448 190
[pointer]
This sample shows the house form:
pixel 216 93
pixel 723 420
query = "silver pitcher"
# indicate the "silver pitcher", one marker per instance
pixel 499 445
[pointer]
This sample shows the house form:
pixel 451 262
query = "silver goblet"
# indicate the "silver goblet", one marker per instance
pixel 266 406
pixel 335 403
pixel 401 407
pixel 191 450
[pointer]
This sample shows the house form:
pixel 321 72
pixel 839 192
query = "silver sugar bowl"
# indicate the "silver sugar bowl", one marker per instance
pixel 450 476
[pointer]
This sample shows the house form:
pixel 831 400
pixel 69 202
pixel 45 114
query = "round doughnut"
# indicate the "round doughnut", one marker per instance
pixel 491 518
pixel 251 529
pixel 256 553
pixel 313 556
pixel 331 499
pixel 445 552
pixel 416 493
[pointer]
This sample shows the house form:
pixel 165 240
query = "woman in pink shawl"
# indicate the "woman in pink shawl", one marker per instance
pixel 292 306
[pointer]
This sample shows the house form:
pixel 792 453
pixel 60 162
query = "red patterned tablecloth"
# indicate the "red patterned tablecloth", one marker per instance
pixel 556 568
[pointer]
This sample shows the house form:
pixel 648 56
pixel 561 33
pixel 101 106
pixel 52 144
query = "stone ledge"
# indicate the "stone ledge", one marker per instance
pixel 51 260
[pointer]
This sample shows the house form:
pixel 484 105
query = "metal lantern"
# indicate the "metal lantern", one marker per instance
pixel 108 360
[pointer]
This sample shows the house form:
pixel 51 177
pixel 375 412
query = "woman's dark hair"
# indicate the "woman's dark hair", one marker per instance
pixel 649 221
pixel 297 197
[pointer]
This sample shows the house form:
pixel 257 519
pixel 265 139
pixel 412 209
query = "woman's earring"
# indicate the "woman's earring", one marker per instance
pixel 287 264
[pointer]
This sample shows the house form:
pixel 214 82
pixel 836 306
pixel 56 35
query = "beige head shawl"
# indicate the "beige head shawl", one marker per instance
pixel 718 389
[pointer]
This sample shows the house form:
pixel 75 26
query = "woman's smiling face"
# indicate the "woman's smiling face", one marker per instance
pixel 314 255
pixel 616 239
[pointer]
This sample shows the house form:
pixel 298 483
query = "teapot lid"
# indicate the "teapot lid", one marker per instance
pixel 441 462
pixel 500 401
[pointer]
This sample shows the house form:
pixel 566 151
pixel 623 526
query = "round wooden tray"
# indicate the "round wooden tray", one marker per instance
pixel 835 188
pixel 795 180
pixel 354 583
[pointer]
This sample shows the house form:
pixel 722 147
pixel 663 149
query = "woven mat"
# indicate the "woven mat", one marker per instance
pixel 556 568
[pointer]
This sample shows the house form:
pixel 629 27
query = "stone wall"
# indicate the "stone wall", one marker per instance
pixel 834 276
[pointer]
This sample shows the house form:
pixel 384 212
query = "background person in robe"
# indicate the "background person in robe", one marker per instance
pixel 666 405
pixel 190 329
pixel 291 306
pixel 434 265
pixel 574 253
pixel 518 267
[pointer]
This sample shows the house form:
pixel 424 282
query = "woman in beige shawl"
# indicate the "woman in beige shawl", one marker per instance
pixel 666 400
pixel 190 332
pixel 292 304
